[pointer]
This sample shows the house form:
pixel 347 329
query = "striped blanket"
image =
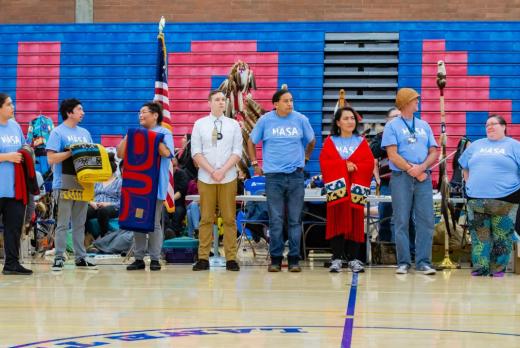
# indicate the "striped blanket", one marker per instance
pixel 140 180
pixel 71 188
pixel 90 163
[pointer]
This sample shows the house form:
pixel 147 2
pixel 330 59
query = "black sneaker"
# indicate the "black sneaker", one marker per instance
pixel 84 264
pixel 16 270
pixel 58 264
pixel 155 265
pixel 136 265
pixel 201 265
pixel 232 265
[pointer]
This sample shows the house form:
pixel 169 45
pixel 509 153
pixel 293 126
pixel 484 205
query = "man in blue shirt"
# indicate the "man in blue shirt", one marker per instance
pixel 411 149
pixel 287 143
pixel 69 210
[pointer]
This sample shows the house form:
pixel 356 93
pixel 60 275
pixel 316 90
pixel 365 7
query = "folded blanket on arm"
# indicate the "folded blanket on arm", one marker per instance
pixel 91 163
pixel 25 176
pixel 71 188
pixel 140 180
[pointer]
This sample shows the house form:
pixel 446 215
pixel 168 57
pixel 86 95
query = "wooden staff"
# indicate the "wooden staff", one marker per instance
pixel 443 173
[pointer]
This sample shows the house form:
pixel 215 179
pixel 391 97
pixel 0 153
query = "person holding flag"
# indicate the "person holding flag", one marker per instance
pixel 155 116
pixel 150 118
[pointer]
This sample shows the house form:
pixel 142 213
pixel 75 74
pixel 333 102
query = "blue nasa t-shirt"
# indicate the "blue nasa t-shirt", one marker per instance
pixel 11 140
pixel 283 141
pixel 62 137
pixel 398 133
pixel 346 146
pixel 164 176
pixel 494 167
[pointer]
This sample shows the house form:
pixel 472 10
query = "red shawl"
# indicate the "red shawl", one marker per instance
pixel 346 192
pixel 25 182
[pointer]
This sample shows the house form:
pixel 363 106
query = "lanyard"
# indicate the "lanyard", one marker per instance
pixel 410 129
pixel 217 132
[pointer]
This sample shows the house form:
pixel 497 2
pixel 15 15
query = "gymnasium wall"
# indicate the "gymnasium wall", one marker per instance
pixel 120 11
pixel 111 68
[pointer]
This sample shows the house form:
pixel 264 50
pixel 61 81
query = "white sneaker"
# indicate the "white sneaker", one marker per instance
pixel 356 266
pixel 426 269
pixel 402 269
pixel 335 266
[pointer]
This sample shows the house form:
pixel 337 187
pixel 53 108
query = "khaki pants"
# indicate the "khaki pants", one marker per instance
pixel 223 196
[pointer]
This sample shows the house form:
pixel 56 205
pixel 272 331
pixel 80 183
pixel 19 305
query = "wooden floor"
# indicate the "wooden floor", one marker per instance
pixel 177 307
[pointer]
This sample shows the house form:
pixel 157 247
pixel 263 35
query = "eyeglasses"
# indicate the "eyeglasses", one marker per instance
pixel 143 112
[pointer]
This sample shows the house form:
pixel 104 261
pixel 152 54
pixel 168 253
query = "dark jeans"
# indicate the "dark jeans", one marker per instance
pixel 285 194
pixel 12 212
pixel 103 215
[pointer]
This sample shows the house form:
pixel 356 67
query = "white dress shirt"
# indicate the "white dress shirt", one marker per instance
pixel 217 152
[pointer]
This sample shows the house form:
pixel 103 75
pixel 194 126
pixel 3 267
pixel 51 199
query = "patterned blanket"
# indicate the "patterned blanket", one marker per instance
pixel 140 180
pixel 90 163
pixel 71 188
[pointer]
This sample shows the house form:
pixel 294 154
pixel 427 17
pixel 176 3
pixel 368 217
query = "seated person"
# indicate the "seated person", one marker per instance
pixel 175 221
pixel 107 199
pixel 193 210
pixel 254 210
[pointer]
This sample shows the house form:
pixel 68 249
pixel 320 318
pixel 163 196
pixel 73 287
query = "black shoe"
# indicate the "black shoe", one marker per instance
pixel 16 270
pixel 232 265
pixel 201 265
pixel 136 265
pixel 84 264
pixel 58 264
pixel 155 265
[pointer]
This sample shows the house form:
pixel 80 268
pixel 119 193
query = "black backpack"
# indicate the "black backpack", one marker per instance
pixel 456 184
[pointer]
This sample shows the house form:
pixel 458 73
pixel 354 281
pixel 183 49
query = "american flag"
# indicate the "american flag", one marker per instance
pixel 161 95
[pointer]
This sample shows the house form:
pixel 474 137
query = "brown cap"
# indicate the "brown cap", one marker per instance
pixel 404 96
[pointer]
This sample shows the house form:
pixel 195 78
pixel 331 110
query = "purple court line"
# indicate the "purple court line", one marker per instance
pixel 348 327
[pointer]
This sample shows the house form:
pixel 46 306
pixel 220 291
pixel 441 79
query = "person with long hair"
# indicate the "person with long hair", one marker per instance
pixel 287 143
pixel 491 168
pixel 347 164
pixel 150 118
pixel 11 209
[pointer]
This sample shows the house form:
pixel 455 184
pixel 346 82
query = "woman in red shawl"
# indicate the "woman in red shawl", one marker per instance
pixel 346 164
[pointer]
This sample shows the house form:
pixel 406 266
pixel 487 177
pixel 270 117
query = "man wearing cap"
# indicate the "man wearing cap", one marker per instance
pixel 287 142
pixel 411 149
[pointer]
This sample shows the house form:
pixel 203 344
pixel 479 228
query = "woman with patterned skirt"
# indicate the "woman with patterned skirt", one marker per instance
pixel 491 168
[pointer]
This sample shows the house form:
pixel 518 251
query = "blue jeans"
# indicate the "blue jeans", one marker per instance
pixel 193 217
pixel 386 227
pixel 285 193
pixel 410 196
